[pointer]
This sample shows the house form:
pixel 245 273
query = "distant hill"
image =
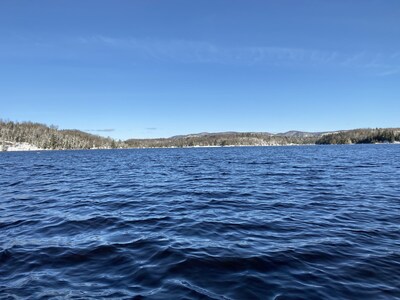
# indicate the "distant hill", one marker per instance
pixel 294 133
pixel 221 139
pixel 28 135
pixel 361 136
pixel 356 136
pixel 218 134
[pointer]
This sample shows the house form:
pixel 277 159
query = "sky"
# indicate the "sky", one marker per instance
pixel 156 68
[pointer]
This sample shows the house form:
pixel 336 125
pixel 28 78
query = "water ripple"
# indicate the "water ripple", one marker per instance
pixel 220 223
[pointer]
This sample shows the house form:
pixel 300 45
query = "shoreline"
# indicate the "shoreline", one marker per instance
pixel 31 148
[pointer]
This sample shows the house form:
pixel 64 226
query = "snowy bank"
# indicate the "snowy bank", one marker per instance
pixel 11 146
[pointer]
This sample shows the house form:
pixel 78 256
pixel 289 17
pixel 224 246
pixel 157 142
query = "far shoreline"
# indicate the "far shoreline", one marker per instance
pixel 193 147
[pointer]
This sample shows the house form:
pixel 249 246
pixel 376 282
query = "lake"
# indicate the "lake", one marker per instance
pixel 301 222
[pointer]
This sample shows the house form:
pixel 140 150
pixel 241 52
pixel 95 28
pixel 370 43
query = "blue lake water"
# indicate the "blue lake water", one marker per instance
pixel 306 222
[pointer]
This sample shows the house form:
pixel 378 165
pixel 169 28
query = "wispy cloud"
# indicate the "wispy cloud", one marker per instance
pixel 184 51
pixel 135 50
pixel 151 128
pixel 203 52
pixel 389 72
pixel 100 130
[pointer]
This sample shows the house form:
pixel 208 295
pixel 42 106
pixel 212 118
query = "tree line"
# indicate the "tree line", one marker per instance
pixel 361 136
pixel 221 139
pixel 50 137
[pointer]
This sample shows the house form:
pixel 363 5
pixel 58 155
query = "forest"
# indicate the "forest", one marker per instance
pixel 52 138
pixel 222 139
pixel 361 136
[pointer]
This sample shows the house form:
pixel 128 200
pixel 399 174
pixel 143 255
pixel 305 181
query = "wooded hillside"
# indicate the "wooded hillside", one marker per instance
pixel 49 137
pixel 221 139
pixel 362 136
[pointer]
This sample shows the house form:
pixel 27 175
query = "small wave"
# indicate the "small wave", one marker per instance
pixel 232 223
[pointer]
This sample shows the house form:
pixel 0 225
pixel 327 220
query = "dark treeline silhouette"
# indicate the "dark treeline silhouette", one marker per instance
pixel 361 136
pixel 221 139
pixel 357 136
pixel 50 137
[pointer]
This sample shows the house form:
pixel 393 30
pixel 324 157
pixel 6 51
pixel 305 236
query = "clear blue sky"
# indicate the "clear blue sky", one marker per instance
pixel 160 68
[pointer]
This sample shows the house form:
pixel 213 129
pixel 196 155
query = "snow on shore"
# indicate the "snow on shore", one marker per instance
pixel 10 146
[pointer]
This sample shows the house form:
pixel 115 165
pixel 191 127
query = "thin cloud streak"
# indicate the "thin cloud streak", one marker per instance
pixel 389 72
pixel 204 52
pixel 101 130
pixel 200 52
pixel 197 52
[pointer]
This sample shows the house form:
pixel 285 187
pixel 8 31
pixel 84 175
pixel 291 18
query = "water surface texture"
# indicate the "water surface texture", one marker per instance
pixel 308 222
